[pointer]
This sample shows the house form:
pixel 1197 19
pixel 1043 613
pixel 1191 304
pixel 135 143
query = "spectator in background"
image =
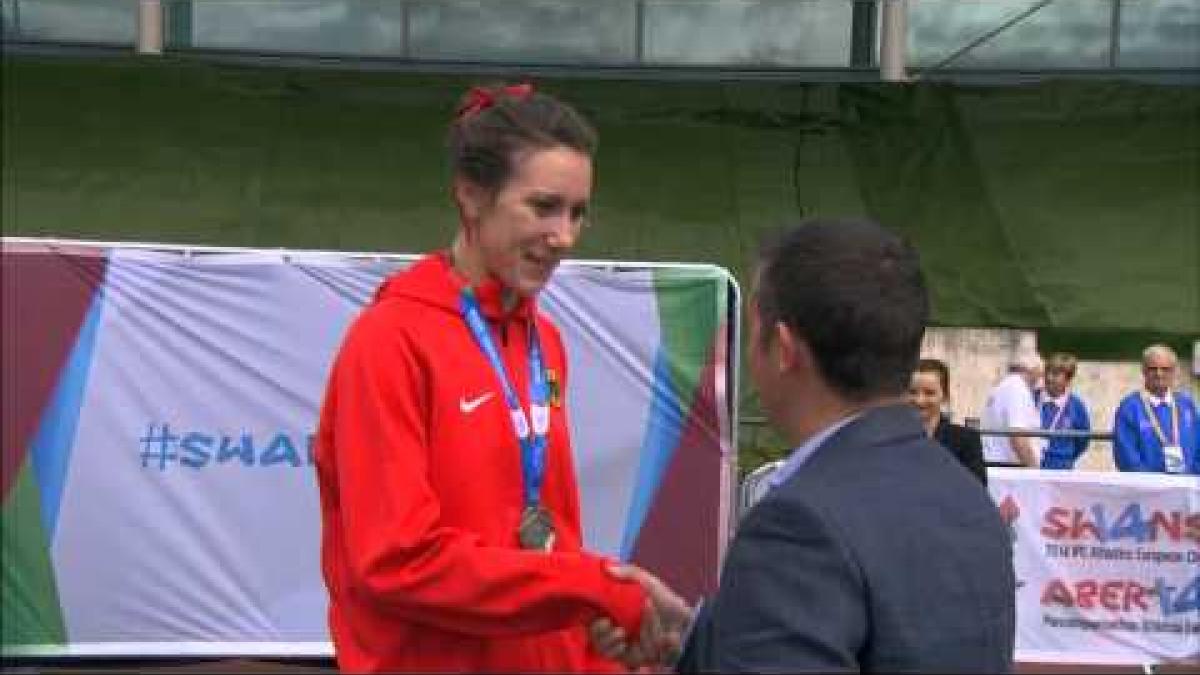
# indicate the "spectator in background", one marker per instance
pixel 1062 409
pixel 1155 429
pixel 929 391
pixel 1010 406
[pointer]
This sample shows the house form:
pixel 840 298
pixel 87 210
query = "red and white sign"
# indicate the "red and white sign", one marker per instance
pixel 1107 565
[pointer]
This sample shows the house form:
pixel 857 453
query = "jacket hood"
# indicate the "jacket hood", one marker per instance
pixel 433 281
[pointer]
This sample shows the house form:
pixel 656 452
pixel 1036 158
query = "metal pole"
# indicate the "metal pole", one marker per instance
pixel 863 23
pixel 1046 433
pixel 406 21
pixel 893 40
pixel 16 19
pixel 149 27
pixel 639 32
pixel 1114 37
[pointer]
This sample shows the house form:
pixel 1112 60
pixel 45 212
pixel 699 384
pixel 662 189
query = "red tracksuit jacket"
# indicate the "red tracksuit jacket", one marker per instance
pixel 421 491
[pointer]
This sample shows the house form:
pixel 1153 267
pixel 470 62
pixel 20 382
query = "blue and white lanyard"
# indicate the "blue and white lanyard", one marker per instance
pixel 533 442
pixel 1057 421
pixel 1164 438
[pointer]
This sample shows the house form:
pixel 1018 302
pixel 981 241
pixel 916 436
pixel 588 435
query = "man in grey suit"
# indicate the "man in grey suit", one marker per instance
pixel 874 550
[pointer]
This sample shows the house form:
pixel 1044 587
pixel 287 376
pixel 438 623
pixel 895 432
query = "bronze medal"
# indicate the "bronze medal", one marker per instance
pixel 536 531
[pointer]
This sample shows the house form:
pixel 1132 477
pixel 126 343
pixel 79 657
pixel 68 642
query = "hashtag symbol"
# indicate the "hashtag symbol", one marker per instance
pixel 157 447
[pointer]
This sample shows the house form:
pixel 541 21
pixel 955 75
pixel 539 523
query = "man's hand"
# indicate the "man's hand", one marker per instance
pixel 611 641
pixel 664 621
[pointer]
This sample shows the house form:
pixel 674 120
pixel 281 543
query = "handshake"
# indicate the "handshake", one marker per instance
pixel 664 622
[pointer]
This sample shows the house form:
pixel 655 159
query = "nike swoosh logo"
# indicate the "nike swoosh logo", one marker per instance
pixel 469 406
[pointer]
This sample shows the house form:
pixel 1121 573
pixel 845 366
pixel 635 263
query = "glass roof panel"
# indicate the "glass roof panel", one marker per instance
pixel 1059 34
pixel 1159 34
pixel 101 22
pixel 759 33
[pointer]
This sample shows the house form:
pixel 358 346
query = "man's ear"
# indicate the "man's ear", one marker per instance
pixel 794 355
pixel 786 355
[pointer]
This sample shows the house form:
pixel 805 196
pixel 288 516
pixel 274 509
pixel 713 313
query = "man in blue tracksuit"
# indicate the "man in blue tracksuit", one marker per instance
pixel 1155 429
pixel 1061 409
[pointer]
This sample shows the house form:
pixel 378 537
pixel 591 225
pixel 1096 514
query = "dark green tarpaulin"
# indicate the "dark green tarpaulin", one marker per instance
pixel 1070 207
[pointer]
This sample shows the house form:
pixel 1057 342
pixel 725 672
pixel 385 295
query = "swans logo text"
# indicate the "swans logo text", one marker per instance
pixel 1130 524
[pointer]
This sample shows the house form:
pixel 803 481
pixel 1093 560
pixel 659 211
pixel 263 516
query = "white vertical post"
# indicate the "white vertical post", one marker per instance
pixel 150 27
pixel 893 40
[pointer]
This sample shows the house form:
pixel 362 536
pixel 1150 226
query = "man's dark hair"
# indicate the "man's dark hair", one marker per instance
pixel 495 124
pixel 855 294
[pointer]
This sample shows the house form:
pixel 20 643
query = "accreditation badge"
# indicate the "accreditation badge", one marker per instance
pixel 536 531
pixel 1173 454
pixel 541 419
pixel 520 423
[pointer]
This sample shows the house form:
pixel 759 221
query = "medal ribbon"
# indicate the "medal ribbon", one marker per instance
pixel 532 441
pixel 1164 439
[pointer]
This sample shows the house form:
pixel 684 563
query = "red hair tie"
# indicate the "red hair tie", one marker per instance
pixel 480 99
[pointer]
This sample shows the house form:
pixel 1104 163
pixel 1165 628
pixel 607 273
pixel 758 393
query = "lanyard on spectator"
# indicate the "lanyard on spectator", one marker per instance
pixel 1158 430
pixel 533 442
pixel 1058 416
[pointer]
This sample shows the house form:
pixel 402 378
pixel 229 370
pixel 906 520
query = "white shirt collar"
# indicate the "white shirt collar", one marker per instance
pixel 806 449
pixel 1156 401
pixel 1060 402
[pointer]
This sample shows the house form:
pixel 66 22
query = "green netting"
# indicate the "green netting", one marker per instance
pixel 1066 206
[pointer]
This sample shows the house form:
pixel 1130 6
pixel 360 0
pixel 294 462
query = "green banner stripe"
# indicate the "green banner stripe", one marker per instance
pixel 688 335
pixel 30 612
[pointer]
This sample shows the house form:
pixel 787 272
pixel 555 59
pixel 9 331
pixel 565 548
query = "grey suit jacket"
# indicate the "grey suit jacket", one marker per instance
pixel 880 554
